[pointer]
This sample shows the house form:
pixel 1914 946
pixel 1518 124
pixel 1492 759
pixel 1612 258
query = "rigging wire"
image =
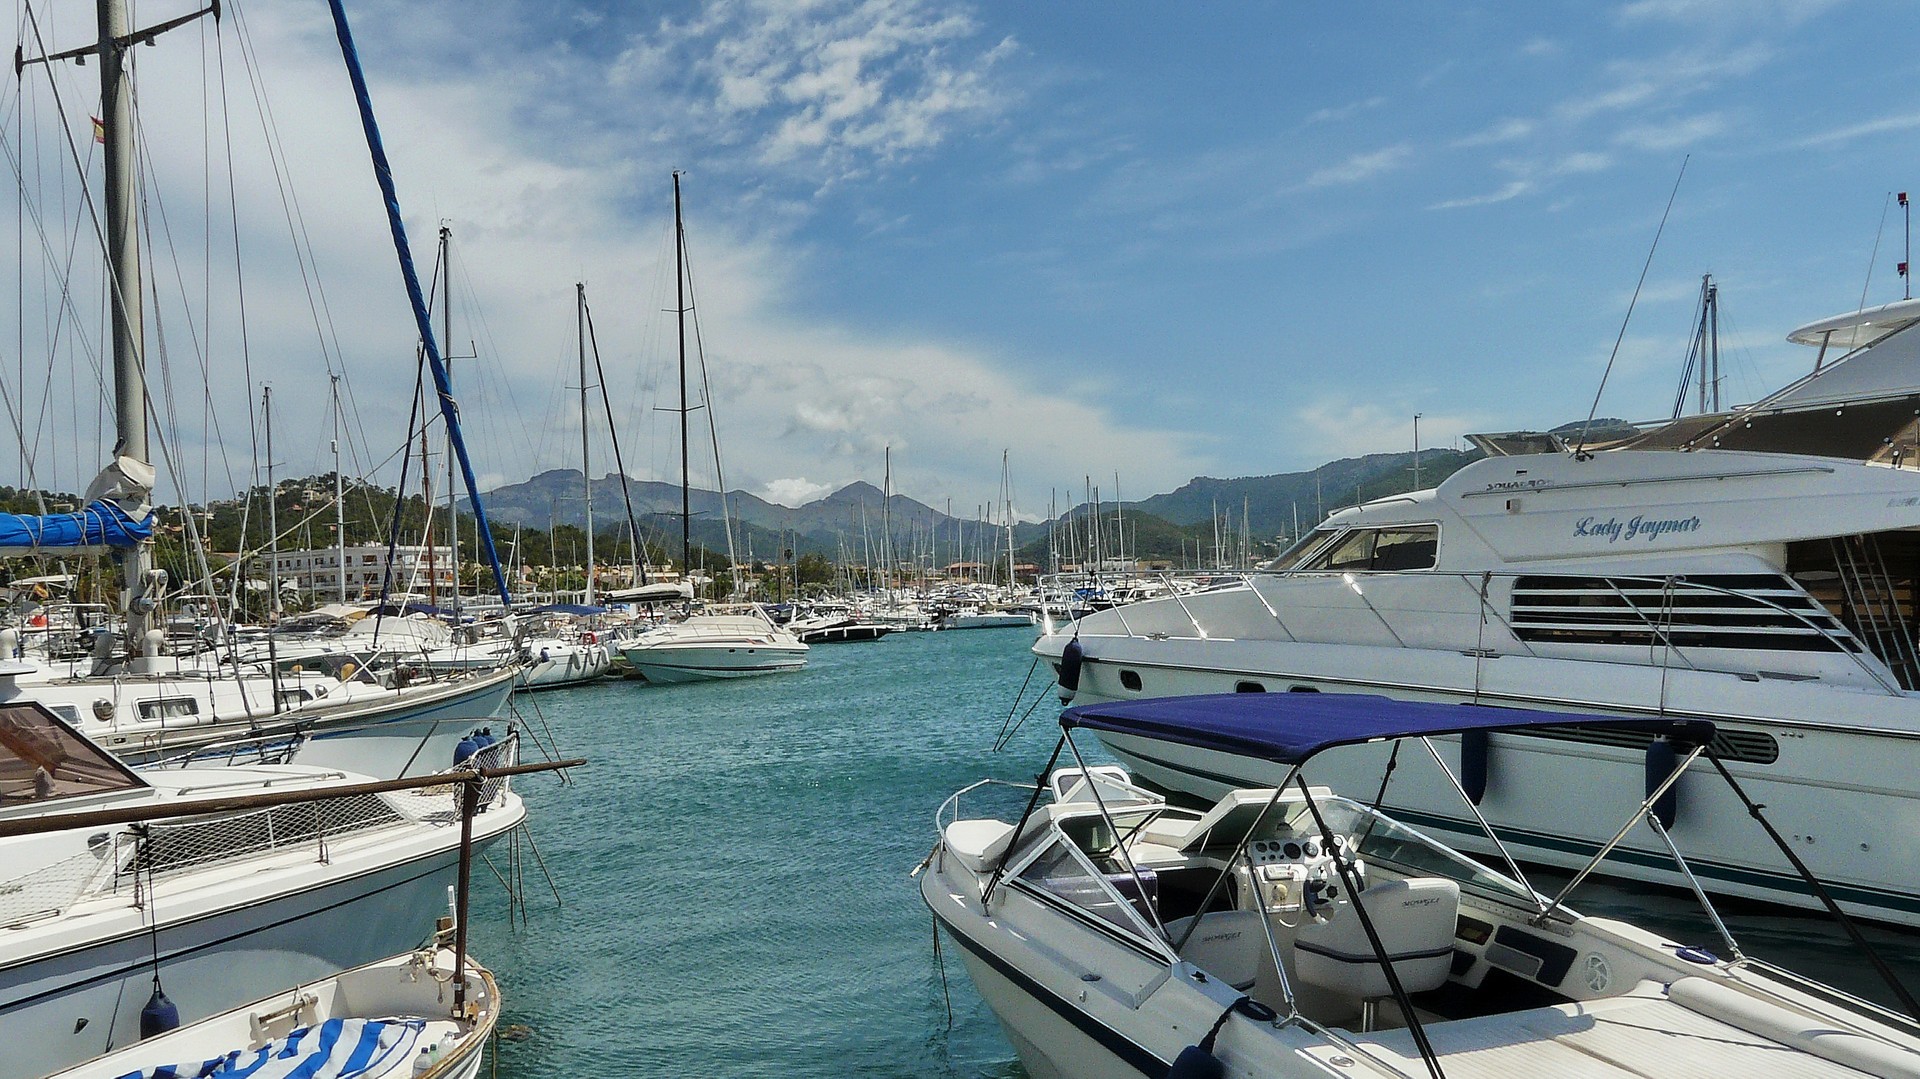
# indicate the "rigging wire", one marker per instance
pixel 1581 448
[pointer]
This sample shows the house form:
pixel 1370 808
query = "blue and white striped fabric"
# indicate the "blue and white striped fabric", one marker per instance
pixel 336 1049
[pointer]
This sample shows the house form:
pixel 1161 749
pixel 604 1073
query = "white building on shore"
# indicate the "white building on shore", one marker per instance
pixel 318 572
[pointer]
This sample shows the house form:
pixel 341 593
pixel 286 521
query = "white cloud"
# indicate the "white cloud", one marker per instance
pixel 1664 79
pixel 1336 113
pixel 827 89
pixel 795 491
pixel 1726 12
pixel 1512 190
pixel 1361 167
pixel 1673 134
pixel 1507 130
pixel 1576 163
pixel 1883 126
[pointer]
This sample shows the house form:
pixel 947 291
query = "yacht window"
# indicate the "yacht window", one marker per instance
pixel 43 759
pixel 170 708
pixel 1130 679
pixel 1249 687
pixel 1353 552
pixel 1405 547
pixel 1301 548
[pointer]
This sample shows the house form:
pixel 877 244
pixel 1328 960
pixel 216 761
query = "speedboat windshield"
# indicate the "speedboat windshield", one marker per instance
pixel 1381 839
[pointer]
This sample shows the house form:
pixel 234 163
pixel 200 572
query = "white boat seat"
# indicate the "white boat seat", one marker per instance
pixel 979 844
pixel 1415 919
pixel 1228 945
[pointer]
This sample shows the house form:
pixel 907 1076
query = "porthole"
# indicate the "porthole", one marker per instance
pixel 1249 687
pixel 1130 679
pixel 1303 689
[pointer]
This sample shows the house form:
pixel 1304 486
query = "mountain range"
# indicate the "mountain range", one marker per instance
pixel 849 522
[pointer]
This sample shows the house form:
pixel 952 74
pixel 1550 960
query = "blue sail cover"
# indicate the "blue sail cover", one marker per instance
pixel 1288 728
pixel 101 524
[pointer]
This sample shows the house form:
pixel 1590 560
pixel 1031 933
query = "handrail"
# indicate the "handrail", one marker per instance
pixel 940 815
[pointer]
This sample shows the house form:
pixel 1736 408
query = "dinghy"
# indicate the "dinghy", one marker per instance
pixel 404 1018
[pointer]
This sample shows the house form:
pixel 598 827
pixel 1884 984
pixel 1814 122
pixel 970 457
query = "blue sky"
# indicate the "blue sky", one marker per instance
pixel 1152 240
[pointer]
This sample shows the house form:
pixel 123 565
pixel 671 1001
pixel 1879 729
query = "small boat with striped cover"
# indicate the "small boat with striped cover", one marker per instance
pixel 406 1017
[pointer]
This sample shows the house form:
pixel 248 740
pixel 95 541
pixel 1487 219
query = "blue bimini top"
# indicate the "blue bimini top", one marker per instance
pixel 1288 728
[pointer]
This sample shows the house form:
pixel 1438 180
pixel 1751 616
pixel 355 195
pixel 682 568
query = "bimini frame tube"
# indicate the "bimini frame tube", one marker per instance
pixel 1646 807
pixel 1819 891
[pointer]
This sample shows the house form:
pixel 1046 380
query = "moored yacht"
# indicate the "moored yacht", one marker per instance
pixel 713 646
pixel 224 906
pixel 1293 931
pixel 1697 570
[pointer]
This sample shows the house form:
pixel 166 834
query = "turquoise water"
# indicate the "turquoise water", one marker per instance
pixel 734 864
pixel 734 869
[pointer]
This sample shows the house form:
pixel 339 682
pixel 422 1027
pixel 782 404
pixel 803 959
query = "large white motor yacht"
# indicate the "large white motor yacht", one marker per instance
pixel 1696 570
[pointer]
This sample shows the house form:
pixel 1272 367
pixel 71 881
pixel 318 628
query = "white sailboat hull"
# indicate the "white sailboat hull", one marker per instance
pixel 551 664
pixel 72 987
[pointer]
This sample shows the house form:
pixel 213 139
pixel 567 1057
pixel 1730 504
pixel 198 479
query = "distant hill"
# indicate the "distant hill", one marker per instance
pixel 1270 502
pixel 850 520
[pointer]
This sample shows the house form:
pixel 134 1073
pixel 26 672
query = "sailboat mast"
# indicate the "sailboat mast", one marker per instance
pixel 339 498
pixel 680 310
pixel 586 468
pixel 123 266
pixel 273 510
pixel 446 347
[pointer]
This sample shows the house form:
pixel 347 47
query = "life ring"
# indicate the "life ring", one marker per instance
pixel 589 638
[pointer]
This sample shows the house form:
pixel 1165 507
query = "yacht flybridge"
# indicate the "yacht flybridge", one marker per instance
pixel 1290 931
pixel 1696 570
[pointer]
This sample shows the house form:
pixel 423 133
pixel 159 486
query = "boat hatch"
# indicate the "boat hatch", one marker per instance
pixel 42 759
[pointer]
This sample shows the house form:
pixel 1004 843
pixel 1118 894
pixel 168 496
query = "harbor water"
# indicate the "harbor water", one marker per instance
pixel 732 873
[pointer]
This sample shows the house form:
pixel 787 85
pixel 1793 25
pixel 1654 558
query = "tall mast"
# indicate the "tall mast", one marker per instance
pixel 586 469
pixel 339 497
pixel 680 311
pixel 446 346
pixel 1713 336
pixel 123 268
pixel 886 518
pixel 273 509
